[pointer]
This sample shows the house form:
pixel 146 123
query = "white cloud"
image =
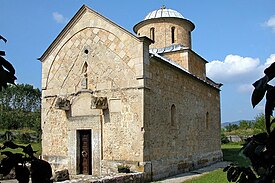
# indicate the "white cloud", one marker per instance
pixel 271 23
pixel 245 88
pixel 234 68
pixel 242 71
pixel 59 18
pixel 270 60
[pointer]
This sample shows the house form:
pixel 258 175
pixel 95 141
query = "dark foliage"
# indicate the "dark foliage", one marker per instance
pixel 224 139
pixel 259 149
pixel 7 72
pixel 39 170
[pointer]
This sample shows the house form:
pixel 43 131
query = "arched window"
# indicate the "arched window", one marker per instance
pixel 189 35
pixel 152 33
pixel 173 115
pixel 173 34
pixel 84 80
pixel 85 68
pixel 207 120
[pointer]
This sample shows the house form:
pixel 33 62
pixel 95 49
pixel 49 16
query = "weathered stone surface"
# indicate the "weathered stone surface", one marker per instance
pixel 61 175
pixel 139 109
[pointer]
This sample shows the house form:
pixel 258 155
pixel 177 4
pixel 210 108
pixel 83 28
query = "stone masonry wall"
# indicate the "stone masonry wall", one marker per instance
pixel 163 34
pixel 196 64
pixel 93 58
pixel 184 139
pixel 189 60
pixel 180 57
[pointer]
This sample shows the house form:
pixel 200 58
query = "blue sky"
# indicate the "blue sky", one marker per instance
pixel 237 37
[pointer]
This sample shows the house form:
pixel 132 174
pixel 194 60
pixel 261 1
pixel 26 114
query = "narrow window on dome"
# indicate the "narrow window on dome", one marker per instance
pixel 173 35
pixel 152 33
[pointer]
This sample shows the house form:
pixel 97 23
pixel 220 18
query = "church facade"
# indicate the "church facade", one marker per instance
pixel 111 98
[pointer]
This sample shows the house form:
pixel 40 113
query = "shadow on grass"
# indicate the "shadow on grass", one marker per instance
pixel 232 153
pixel 36 146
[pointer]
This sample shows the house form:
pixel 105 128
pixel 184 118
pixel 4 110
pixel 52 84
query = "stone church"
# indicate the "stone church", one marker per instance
pixel 111 97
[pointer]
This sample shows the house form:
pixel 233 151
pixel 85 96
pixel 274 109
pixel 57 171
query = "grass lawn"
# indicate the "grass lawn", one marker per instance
pixel 231 153
pixel 217 176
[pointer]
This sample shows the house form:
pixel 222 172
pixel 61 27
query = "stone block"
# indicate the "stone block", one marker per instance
pixel 61 175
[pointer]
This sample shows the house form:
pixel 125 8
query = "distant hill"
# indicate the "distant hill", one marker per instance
pixel 230 123
pixel 233 123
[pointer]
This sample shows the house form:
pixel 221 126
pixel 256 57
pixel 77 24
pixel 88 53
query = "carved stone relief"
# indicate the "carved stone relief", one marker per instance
pixel 99 103
pixel 62 103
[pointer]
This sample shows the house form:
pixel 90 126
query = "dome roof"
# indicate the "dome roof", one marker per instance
pixel 163 12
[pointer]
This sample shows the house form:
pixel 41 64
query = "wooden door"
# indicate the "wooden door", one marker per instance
pixel 85 152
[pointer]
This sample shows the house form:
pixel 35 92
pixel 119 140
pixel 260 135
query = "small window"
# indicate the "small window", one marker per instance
pixel 152 33
pixel 85 68
pixel 173 115
pixel 84 80
pixel 189 34
pixel 173 35
pixel 207 120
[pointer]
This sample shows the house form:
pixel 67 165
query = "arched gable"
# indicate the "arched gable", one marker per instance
pixel 107 57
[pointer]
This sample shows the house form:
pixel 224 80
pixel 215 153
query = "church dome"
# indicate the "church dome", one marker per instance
pixel 165 27
pixel 163 12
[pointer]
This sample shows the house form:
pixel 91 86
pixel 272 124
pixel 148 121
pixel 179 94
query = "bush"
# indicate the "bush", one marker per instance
pixel 224 139
pixel 20 136
pixel 24 138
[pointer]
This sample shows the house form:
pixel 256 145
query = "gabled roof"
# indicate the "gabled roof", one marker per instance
pixel 71 23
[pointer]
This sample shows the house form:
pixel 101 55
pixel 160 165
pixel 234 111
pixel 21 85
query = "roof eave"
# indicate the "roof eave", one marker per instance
pixel 136 27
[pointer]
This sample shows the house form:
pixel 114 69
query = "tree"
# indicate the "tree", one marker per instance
pixel 259 123
pixel 244 125
pixel 20 107
pixel 231 127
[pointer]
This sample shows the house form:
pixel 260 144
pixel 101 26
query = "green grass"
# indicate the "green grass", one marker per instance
pixel 217 176
pixel 231 153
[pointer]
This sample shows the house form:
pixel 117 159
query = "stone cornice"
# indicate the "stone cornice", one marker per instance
pixel 163 19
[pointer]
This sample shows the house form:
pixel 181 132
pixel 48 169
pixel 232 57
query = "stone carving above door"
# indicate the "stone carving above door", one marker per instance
pixel 62 103
pixel 99 103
